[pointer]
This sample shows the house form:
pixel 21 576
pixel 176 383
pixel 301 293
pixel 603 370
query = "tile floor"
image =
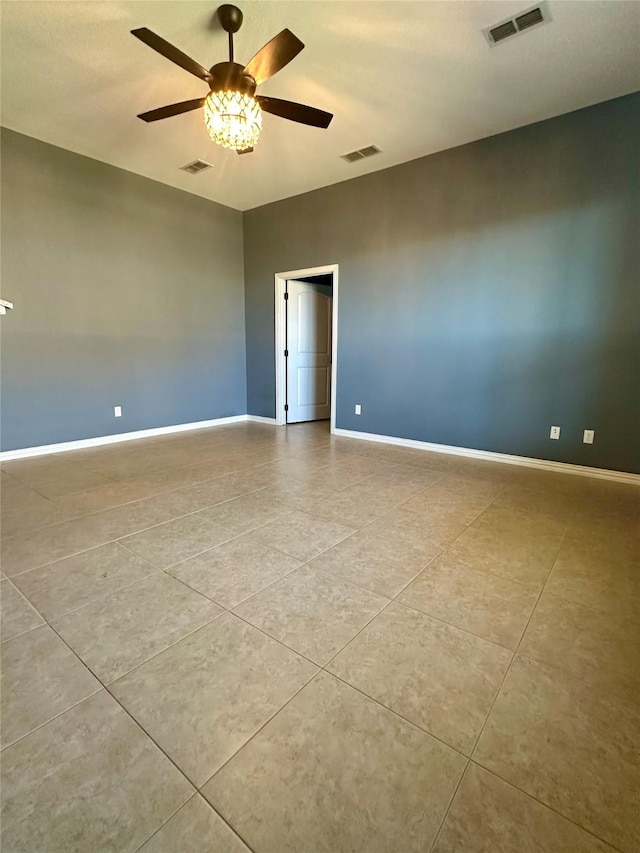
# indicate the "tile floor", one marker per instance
pixel 258 639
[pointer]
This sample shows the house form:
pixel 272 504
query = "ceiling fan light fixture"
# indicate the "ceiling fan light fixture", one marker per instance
pixel 233 119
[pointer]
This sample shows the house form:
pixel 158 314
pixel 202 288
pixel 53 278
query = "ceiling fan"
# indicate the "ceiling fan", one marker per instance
pixel 232 110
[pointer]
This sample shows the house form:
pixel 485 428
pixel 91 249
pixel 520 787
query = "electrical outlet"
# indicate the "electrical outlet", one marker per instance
pixel 555 432
pixel 358 409
pixel 117 411
pixel 588 436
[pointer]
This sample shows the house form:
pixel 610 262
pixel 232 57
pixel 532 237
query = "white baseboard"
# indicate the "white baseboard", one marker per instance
pixel 42 450
pixel 258 419
pixel 526 461
pixel 487 455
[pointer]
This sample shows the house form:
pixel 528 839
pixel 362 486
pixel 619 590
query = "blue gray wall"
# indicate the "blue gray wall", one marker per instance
pixel 485 293
pixel 127 292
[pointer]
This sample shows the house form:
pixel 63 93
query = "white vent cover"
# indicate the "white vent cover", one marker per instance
pixel 517 24
pixel 195 167
pixel 360 154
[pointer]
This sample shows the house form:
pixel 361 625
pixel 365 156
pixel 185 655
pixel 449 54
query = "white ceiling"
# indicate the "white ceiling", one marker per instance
pixel 411 77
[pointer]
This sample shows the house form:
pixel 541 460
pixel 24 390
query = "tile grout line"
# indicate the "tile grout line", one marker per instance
pixel 471 751
pixel 104 687
pixel 433 844
pixel 195 795
pixel 495 699
pixel 514 652
pixel 266 722
pixel 545 805
pixel 469 760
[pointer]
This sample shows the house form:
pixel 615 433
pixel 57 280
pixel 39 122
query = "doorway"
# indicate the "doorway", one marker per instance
pixel 306 326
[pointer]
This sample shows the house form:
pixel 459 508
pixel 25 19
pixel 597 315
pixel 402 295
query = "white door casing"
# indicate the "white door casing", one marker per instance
pixel 280 332
pixel 309 321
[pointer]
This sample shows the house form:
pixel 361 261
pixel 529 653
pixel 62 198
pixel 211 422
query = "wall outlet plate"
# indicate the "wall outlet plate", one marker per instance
pixel 555 432
pixel 117 411
pixel 358 409
pixel 588 435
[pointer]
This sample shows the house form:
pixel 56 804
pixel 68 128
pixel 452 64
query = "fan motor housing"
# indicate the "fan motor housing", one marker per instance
pixel 231 76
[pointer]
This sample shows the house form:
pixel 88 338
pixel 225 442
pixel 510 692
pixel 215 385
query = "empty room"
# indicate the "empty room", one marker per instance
pixel 320 426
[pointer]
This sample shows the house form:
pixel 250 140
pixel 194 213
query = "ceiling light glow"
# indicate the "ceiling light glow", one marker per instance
pixel 233 120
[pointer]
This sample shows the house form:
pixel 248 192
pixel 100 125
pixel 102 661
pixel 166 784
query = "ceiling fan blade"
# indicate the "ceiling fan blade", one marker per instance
pixel 295 112
pixel 273 56
pixel 171 53
pixel 246 151
pixel 172 110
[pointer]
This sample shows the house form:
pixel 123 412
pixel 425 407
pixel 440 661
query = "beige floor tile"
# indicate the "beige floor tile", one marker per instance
pixel 105 496
pixel 246 512
pixel 299 495
pixel 609 583
pixel 128 465
pixel 333 771
pixel 174 478
pixel 448 499
pixel 311 612
pixel 490 816
pixel 300 535
pixel 343 475
pixel 203 698
pixel 554 505
pixel 442 679
pixel 510 544
pixel 125 520
pixel 296 467
pixel 41 678
pixel 251 479
pixel 419 529
pixel 71 583
pixel 196 828
pixel 89 780
pixel 61 478
pixel 586 642
pixel 36 548
pixel 381 565
pixel 614 526
pixel 571 746
pixel 16 614
pixel 121 631
pixel 489 606
pixel 29 514
pixel 208 494
pixel 602 542
pixel 234 571
pixel 48 544
pixel 25 470
pixel 408 475
pixel 360 504
pixel 376 522
pixel 170 543
pixel 472 486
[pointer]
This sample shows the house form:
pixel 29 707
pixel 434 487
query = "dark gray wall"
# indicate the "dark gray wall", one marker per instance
pixel 485 293
pixel 127 292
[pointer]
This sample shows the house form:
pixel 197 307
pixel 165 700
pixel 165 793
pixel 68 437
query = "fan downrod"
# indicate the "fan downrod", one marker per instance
pixel 230 18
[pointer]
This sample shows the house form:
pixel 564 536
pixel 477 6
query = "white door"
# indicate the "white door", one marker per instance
pixel 309 351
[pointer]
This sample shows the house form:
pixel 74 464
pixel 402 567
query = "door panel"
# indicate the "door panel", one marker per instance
pixel 313 386
pixel 309 344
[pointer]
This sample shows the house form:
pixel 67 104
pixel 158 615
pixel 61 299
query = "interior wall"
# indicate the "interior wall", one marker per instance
pixel 487 292
pixel 127 292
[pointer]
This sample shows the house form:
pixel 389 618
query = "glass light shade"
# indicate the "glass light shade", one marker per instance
pixel 233 120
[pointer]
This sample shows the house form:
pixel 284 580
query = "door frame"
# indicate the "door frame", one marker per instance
pixel 281 279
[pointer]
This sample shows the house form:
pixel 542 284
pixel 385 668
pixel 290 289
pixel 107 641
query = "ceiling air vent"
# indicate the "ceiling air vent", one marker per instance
pixel 538 14
pixel 195 167
pixel 529 19
pixel 369 151
pixel 502 31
